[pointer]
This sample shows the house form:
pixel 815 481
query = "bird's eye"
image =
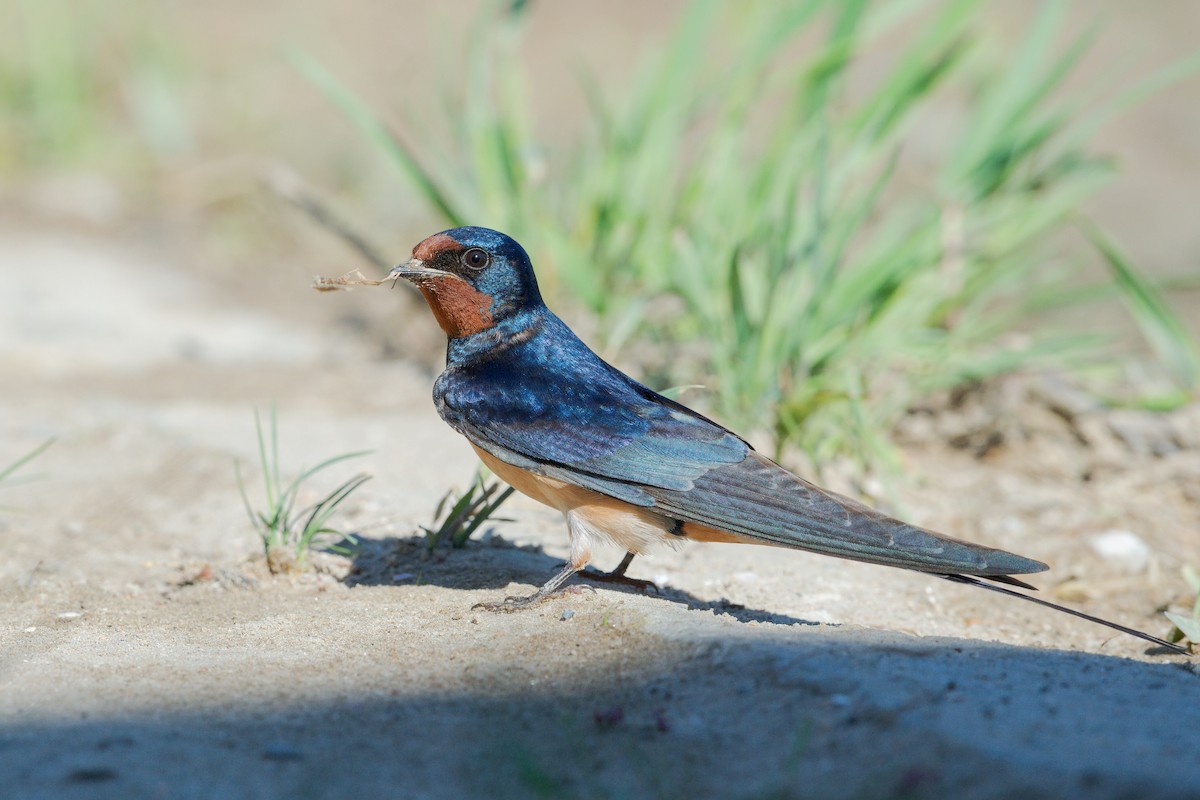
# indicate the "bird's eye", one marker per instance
pixel 475 259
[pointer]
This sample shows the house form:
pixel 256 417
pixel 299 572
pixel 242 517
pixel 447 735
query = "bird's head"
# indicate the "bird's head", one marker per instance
pixel 472 278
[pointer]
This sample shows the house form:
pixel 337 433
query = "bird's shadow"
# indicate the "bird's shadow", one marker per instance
pixel 494 563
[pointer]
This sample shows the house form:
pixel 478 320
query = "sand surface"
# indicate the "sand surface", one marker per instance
pixel 146 651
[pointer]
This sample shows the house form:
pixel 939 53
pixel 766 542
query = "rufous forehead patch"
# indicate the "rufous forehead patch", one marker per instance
pixel 430 248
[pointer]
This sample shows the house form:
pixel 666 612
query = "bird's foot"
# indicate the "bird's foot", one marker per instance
pixel 552 587
pixel 511 603
pixel 619 577
pixel 521 603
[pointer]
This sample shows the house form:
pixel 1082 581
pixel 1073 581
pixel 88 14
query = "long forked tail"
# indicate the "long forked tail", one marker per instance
pixel 972 581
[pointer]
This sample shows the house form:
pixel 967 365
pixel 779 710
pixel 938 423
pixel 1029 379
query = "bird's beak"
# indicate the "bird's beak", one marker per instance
pixel 409 269
pixel 414 270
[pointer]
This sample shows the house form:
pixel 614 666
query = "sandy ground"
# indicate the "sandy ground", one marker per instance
pixel 146 652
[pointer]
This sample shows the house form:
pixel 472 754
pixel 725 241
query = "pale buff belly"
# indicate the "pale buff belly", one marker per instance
pixel 590 513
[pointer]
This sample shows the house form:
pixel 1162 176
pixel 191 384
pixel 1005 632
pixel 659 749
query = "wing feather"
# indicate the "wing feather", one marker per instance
pixel 760 499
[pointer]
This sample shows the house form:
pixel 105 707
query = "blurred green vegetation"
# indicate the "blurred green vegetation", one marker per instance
pixel 85 82
pixel 828 244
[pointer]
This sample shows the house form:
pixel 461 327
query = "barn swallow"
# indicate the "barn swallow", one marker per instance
pixel 623 463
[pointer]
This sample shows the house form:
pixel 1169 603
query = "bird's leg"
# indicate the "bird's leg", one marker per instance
pixel 619 572
pixel 549 588
pixel 581 553
pixel 618 575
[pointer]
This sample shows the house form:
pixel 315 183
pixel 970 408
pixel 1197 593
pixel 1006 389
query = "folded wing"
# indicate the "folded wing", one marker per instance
pixel 568 415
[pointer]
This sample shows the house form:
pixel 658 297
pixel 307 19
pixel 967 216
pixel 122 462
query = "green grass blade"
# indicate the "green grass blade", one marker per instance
pixel 241 484
pixel 1162 329
pixel 25 459
pixel 481 516
pixel 458 512
pixel 1184 68
pixel 1193 580
pixel 275 481
pixel 378 134
pixel 321 512
pixel 1188 626
pixel 270 487
pixel 308 473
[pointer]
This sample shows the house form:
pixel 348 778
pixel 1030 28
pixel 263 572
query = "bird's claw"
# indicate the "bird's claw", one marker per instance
pixel 612 577
pixel 510 604
pixel 507 605
pixel 519 603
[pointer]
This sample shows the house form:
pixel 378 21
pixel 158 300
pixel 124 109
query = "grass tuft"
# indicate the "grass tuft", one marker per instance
pixel 289 534
pixel 466 513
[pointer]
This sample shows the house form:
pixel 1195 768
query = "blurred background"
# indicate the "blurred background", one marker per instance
pixel 820 213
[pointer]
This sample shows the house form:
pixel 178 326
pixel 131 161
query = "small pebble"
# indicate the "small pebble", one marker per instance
pixel 1122 548
pixel 566 615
